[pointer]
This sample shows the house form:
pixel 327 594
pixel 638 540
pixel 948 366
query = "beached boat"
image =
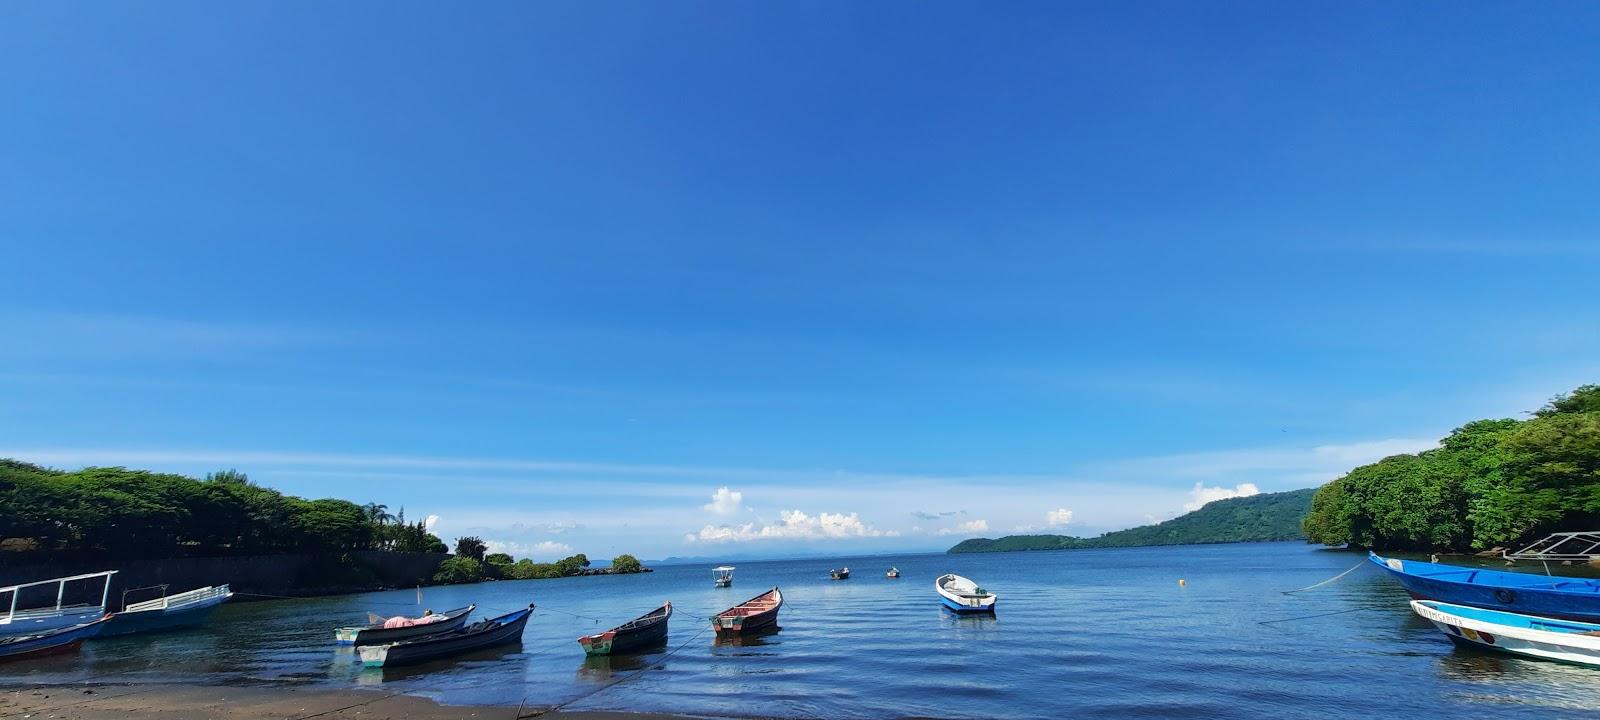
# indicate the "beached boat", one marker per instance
pixel 168 612
pixel 893 573
pixel 840 574
pixel 61 639
pixel 963 595
pixel 1544 595
pixel 647 630
pixel 377 633
pixel 1545 638
pixel 21 620
pixel 492 632
pixel 722 576
pixel 751 616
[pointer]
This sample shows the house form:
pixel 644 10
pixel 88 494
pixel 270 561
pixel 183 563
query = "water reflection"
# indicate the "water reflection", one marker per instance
pixel 603 668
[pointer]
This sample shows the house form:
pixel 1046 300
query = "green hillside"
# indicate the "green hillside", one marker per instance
pixel 1258 518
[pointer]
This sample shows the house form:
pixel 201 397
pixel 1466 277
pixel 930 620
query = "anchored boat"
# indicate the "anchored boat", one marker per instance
pixel 646 630
pixel 1545 638
pixel 502 630
pixel 19 620
pixel 839 574
pixel 381 632
pixel 754 615
pixel 1549 596
pixel 893 573
pixel 722 576
pixel 64 639
pixel 168 612
pixel 963 595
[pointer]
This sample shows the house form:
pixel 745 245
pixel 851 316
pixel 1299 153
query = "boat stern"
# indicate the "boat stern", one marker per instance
pixel 598 644
pixel 374 655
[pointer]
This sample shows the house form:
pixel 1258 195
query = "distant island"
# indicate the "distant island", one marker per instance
pixel 1259 518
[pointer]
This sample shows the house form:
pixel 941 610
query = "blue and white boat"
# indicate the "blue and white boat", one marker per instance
pixel 1544 595
pixel 22 617
pixel 963 595
pixel 61 639
pixel 1528 635
pixel 169 612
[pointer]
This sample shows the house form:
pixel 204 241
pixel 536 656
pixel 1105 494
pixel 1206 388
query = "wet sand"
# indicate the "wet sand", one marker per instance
pixel 206 702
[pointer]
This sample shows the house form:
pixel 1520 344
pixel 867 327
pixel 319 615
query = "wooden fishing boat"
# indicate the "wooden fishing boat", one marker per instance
pixel 64 639
pixel 168 612
pixel 722 576
pixel 644 631
pixel 19 620
pixel 377 634
pixel 757 614
pixel 1527 593
pixel 894 573
pixel 963 595
pixel 1527 635
pixel 502 630
pixel 840 574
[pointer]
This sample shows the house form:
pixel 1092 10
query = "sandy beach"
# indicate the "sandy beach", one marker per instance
pixel 206 702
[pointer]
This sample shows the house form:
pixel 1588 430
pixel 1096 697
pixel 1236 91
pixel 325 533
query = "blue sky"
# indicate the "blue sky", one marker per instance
pixel 555 273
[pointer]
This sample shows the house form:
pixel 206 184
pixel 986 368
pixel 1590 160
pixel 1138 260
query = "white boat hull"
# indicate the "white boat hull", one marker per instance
pixel 1569 647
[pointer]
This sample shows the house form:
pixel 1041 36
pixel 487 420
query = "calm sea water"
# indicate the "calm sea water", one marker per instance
pixel 1099 633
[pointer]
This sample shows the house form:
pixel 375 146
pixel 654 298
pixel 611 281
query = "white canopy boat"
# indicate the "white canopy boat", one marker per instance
pixel 963 595
pixel 20 620
pixel 722 576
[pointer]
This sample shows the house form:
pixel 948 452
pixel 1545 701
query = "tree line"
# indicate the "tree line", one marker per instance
pixel 473 563
pixel 1490 483
pixel 137 513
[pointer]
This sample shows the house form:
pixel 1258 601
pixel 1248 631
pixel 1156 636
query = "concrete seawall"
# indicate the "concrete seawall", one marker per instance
pixel 296 575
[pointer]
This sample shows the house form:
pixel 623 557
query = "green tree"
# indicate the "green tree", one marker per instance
pixel 229 476
pixel 471 546
pixel 459 569
pixel 626 564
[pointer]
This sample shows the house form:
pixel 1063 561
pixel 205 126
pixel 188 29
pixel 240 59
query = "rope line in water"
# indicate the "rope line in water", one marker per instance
pixel 1308 617
pixel 1357 566
pixel 616 682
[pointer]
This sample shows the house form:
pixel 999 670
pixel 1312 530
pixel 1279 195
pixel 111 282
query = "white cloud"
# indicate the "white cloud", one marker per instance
pixel 1201 494
pixel 724 501
pixel 1057 518
pixel 540 550
pixel 967 528
pixel 793 525
pixel 429 522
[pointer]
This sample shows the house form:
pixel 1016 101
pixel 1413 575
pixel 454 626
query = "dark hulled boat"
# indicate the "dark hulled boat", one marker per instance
pixel 644 631
pixel 840 574
pixel 502 630
pixel 754 615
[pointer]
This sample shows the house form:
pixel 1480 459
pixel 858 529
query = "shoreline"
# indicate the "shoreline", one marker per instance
pixel 194 701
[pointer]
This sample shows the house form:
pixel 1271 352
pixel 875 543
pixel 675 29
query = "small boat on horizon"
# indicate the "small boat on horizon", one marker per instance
pixel 722 576
pixel 168 612
pixel 894 573
pixel 1544 595
pixel 385 630
pixel 647 630
pixel 1527 635
pixel 502 630
pixel 35 621
pixel 751 616
pixel 963 595
pixel 55 640
pixel 839 574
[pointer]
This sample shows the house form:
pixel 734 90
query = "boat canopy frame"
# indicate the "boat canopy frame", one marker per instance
pixel 61 590
pixel 1561 546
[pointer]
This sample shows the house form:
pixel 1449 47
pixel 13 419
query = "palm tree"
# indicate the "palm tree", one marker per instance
pixel 377 513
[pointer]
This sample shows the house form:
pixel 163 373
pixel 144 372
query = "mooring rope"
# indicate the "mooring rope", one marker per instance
pixel 1329 580
pixel 613 683
pixel 1308 617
